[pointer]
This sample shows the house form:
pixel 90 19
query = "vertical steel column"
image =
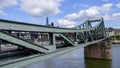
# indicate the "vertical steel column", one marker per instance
pixel 91 34
pixel 86 39
pixel 76 39
pixel 52 39
pixel 0 45
pixel 103 26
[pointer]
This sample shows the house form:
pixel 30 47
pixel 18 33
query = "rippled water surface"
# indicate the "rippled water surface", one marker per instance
pixel 75 59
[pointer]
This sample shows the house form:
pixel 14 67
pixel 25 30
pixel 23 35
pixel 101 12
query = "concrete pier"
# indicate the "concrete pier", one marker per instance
pixel 101 50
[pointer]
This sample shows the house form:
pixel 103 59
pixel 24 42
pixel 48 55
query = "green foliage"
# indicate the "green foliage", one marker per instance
pixel 116 35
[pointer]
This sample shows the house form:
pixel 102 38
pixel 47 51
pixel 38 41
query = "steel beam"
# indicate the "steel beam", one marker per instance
pixel 68 40
pixel 22 42
pixel 20 26
pixel 21 63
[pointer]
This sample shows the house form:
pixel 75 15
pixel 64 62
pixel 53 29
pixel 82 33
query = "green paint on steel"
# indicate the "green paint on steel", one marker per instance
pixel 20 63
pixel 20 26
pixel 22 42
pixel 85 32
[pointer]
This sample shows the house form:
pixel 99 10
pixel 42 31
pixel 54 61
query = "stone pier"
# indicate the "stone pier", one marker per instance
pixel 101 50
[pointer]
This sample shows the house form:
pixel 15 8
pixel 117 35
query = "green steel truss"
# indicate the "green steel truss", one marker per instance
pixel 82 34
pixel 79 36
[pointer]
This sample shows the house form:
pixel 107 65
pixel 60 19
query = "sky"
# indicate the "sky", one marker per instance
pixel 63 13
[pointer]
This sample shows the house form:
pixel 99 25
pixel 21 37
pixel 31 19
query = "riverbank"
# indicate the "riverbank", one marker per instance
pixel 115 41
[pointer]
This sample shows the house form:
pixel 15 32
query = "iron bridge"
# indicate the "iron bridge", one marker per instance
pixel 22 43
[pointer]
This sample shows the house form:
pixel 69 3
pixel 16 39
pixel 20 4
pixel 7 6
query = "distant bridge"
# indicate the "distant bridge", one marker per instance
pixel 38 43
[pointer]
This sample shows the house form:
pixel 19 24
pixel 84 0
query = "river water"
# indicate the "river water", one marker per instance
pixel 75 59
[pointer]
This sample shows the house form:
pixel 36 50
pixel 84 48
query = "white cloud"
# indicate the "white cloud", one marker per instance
pixel 106 6
pixel 6 3
pixel 41 8
pixel 75 5
pixel 1 12
pixel 117 27
pixel 116 16
pixel 107 17
pixel 66 23
pixel 92 12
pixel 84 5
pixel 80 5
pixel 118 5
pixel 82 15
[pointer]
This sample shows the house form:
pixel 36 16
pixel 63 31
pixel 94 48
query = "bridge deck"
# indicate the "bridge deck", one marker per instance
pixel 16 63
